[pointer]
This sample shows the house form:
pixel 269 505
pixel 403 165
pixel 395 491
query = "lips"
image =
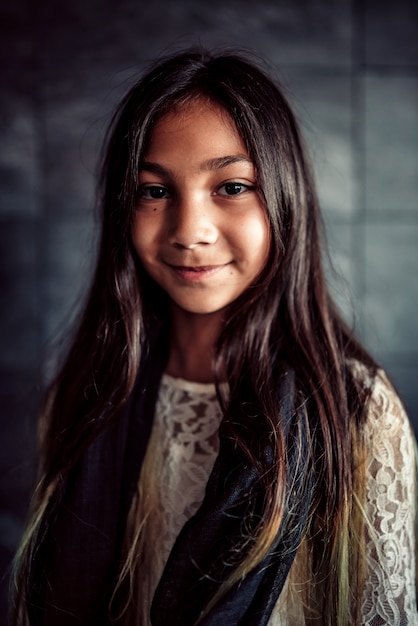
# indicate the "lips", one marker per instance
pixel 197 273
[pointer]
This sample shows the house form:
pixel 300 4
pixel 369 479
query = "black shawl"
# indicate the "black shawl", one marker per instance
pixel 78 556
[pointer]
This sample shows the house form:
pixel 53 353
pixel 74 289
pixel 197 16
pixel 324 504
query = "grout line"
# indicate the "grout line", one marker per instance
pixel 391 217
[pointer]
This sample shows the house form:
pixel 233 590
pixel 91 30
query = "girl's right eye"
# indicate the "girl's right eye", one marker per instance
pixel 153 192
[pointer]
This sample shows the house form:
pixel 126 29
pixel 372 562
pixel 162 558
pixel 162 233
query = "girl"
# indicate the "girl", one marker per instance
pixel 218 448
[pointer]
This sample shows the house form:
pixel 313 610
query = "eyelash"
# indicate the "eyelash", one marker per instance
pixel 145 188
pixel 161 188
pixel 243 186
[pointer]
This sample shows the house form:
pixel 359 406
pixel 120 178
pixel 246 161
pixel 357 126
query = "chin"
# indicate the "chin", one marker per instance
pixel 200 308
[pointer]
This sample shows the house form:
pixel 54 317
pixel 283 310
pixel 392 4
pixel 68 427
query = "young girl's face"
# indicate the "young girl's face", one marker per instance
pixel 200 229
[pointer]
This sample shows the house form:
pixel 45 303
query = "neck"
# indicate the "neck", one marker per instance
pixel 192 341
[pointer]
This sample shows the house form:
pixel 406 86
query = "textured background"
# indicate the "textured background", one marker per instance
pixel 350 67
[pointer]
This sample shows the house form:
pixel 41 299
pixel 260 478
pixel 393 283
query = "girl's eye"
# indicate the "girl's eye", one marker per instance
pixel 153 192
pixel 233 189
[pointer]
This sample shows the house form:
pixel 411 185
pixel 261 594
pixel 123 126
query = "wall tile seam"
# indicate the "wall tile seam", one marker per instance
pixel 398 358
pixel 358 218
pixel 389 71
pixel 401 217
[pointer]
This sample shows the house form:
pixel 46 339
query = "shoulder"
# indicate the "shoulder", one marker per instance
pixel 389 433
pixel 390 443
pixel 386 418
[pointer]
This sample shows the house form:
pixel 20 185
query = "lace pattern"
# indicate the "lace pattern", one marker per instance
pixel 389 593
pixel 184 444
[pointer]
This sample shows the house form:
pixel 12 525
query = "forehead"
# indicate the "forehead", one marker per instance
pixel 199 125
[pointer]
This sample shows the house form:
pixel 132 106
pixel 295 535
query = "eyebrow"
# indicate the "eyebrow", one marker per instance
pixel 207 166
pixel 220 162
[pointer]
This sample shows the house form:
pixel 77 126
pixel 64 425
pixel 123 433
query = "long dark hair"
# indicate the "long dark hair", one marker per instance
pixel 286 320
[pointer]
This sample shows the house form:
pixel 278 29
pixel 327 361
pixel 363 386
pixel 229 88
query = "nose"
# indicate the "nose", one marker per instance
pixel 192 223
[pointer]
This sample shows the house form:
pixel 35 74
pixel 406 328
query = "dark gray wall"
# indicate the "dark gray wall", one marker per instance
pixel 351 69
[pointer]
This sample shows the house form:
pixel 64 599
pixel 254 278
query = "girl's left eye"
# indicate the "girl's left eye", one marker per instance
pixel 233 189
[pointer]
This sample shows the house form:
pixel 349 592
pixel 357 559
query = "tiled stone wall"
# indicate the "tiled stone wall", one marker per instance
pixel 350 66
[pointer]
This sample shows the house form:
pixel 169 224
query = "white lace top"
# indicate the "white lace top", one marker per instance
pixel 181 455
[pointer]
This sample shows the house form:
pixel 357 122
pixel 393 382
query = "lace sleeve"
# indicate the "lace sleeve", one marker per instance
pixel 389 595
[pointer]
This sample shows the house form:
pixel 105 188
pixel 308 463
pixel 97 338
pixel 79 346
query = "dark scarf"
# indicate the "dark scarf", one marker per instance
pixel 78 556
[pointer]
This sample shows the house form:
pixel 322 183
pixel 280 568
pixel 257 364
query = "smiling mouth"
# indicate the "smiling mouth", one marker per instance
pixel 197 273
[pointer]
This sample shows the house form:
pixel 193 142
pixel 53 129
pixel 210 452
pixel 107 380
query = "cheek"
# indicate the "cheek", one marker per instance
pixel 256 237
pixel 143 236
